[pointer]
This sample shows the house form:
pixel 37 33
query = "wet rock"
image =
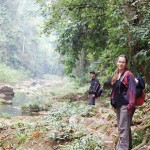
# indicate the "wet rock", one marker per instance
pixel 5 101
pixel 6 90
pixel 6 93
pixel 33 83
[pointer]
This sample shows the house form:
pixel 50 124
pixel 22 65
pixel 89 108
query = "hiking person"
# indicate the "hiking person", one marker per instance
pixel 93 87
pixel 123 100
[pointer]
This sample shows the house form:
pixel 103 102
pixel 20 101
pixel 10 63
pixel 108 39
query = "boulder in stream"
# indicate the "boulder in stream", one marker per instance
pixel 6 93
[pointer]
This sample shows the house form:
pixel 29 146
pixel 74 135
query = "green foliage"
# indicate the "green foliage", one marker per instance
pixel 6 116
pixel 62 132
pixel 87 34
pixel 3 126
pixel 10 75
pixel 138 137
pixel 69 109
pixel 79 26
pixel 61 129
pixel 20 137
pixel 86 142
pixel 128 26
pixel 31 107
pixel 25 107
pixel 34 106
pixel 91 34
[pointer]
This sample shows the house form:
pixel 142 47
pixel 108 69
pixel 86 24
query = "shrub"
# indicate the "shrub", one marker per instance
pixel 9 75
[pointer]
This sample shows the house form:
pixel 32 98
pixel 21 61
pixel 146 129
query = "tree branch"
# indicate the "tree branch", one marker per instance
pixel 82 6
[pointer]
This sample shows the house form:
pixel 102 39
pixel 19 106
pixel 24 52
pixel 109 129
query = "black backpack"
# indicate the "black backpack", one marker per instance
pixel 140 87
pixel 99 91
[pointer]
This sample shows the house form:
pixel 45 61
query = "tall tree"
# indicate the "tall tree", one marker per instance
pixel 128 28
pixel 80 29
pixel 100 29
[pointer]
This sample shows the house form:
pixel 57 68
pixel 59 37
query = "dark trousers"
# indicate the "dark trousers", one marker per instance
pixel 91 99
pixel 124 123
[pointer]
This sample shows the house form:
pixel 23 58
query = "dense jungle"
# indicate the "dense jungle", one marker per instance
pixel 47 50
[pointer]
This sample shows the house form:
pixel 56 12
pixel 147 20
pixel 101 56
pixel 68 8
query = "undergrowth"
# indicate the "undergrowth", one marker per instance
pixel 10 75
pixel 85 143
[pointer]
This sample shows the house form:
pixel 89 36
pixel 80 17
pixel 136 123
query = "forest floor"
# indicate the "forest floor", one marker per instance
pixel 99 126
pixel 70 122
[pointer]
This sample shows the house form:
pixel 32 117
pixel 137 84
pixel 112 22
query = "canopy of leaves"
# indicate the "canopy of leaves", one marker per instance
pixel 102 29
pixel 128 29
pixel 79 26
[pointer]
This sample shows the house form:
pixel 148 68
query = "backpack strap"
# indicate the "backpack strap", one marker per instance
pixel 124 78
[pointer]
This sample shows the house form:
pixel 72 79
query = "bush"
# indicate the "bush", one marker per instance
pixel 10 75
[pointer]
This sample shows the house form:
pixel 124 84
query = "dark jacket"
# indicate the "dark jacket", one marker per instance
pixel 94 86
pixel 129 83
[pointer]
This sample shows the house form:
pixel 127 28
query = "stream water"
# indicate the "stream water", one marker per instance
pixel 19 99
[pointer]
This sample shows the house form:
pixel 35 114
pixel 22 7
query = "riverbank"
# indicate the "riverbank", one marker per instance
pixel 70 122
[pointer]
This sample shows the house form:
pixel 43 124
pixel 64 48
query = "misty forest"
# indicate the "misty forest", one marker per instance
pixel 47 50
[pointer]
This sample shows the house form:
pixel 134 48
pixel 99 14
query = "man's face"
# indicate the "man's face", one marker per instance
pixel 92 75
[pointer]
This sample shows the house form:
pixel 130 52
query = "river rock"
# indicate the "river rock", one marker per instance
pixel 5 101
pixel 7 92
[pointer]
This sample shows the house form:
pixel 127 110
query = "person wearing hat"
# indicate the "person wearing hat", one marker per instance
pixel 93 87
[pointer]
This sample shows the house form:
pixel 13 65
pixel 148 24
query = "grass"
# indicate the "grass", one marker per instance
pixel 20 137
pixel 6 116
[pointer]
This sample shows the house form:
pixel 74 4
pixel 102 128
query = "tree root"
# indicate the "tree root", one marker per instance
pixel 143 142
pixel 144 127
pixel 139 121
pixel 146 109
